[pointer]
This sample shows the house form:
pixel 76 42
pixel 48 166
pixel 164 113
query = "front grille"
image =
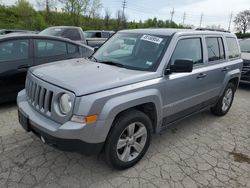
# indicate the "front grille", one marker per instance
pixel 39 97
pixel 246 68
pixel 43 97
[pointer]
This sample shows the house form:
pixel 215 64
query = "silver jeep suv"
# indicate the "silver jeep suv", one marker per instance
pixel 136 84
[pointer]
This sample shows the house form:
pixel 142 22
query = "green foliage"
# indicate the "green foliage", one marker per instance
pixel 23 16
pixel 241 35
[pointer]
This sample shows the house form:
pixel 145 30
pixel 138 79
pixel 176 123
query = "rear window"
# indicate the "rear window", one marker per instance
pixel 233 48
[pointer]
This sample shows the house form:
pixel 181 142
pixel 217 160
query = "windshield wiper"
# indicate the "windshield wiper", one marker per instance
pixel 93 58
pixel 112 63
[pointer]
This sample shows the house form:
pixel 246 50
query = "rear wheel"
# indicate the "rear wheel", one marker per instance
pixel 128 140
pixel 225 102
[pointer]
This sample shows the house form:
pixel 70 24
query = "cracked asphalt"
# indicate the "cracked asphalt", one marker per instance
pixel 201 151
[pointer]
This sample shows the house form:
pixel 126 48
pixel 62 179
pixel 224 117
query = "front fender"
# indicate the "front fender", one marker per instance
pixel 120 103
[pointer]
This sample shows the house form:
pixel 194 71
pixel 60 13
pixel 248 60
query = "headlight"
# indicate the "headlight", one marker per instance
pixel 65 104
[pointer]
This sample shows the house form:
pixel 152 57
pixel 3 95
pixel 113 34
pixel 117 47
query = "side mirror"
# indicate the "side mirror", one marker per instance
pixel 181 66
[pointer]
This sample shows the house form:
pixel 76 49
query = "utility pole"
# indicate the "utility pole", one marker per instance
pixel 172 15
pixel 124 6
pixel 230 21
pixel 184 18
pixel 201 19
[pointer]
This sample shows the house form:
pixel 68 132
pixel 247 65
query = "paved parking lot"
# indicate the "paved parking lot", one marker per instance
pixel 202 151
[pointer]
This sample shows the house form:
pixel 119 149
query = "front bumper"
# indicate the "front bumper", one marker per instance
pixel 70 136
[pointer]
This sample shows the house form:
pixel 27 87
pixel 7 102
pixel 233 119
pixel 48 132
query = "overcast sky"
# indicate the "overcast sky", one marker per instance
pixel 216 12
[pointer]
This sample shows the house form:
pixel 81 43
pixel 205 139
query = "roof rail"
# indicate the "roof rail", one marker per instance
pixel 208 29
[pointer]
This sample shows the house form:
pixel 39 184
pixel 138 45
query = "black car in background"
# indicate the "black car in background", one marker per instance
pixel 245 50
pixel 18 52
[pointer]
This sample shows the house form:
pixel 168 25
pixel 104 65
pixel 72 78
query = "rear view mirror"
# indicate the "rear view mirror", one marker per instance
pixel 181 65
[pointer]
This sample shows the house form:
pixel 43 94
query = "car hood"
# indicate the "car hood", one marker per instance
pixel 245 56
pixel 83 77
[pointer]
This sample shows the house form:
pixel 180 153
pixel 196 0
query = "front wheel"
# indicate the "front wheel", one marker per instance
pixel 225 102
pixel 128 140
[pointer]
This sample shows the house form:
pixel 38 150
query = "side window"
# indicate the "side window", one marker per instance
pixel 98 35
pixel 47 48
pixel 105 35
pixel 233 48
pixel 215 49
pixel 72 34
pixel 190 48
pixel 72 49
pixel 14 50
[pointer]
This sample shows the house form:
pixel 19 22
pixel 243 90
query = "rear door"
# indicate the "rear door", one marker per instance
pixel 15 59
pixel 216 65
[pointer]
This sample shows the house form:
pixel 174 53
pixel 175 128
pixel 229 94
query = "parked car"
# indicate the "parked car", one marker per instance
pixel 69 32
pixel 18 52
pixel 8 31
pixel 137 83
pixel 245 50
pixel 96 38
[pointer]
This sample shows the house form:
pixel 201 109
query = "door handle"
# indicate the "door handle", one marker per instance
pixel 201 76
pixel 225 69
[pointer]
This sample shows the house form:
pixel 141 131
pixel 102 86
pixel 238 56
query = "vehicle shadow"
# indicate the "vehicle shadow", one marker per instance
pixel 244 86
pixel 7 105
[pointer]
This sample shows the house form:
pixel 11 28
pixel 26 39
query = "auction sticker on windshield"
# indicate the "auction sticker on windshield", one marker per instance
pixel 153 39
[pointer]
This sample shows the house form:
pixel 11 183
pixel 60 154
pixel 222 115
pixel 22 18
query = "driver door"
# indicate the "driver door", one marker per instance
pixel 184 91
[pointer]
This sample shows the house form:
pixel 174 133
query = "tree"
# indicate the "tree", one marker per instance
pixel 242 21
pixel 46 4
pixel 25 17
pixel 95 7
pixel 107 18
pixel 75 8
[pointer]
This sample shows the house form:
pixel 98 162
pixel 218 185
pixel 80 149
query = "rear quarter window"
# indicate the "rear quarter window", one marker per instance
pixel 233 49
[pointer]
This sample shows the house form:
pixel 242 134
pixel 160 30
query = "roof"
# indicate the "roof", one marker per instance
pixel 169 32
pixel 99 31
pixel 34 36
pixel 62 27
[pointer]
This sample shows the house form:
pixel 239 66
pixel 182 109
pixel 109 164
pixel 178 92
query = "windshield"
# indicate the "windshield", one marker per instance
pixel 245 46
pixel 133 51
pixel 52 31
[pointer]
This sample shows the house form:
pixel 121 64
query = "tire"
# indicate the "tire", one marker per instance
pixel 220 109
pixel 125 155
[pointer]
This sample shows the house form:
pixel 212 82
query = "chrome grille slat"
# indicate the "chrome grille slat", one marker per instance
pixel 38 88
pixel 41 98
pixel 46 102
